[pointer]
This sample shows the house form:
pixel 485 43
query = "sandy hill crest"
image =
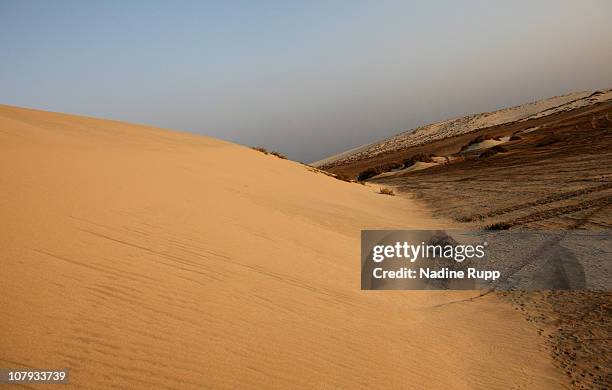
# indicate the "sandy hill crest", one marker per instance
pixel 145 258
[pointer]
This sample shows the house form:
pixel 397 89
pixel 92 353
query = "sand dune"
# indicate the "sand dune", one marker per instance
pixel 143 258
pixel 457 126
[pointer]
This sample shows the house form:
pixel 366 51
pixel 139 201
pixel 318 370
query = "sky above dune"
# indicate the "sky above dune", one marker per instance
pixel 309 79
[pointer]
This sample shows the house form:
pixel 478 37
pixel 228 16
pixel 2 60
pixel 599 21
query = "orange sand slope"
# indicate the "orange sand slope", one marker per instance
pixel 144 258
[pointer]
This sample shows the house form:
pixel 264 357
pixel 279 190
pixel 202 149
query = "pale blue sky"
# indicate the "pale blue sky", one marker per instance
pixel 307 78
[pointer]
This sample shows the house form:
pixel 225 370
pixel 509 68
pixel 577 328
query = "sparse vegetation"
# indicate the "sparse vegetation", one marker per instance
pixel 260 149
pixel 265 151
pixel 386 191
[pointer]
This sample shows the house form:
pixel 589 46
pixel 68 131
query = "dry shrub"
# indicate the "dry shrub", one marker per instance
pixel 386 191
pixel 260 149
pixel 265 151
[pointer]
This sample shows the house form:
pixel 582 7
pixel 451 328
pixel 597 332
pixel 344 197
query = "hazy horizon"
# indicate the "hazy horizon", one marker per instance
pixel 307 79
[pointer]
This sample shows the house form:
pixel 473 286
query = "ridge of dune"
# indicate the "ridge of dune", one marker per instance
pixel 145 258
pixel 455 126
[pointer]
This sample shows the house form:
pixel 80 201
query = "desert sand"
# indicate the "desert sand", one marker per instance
pixel 144 258
pixel 554 175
